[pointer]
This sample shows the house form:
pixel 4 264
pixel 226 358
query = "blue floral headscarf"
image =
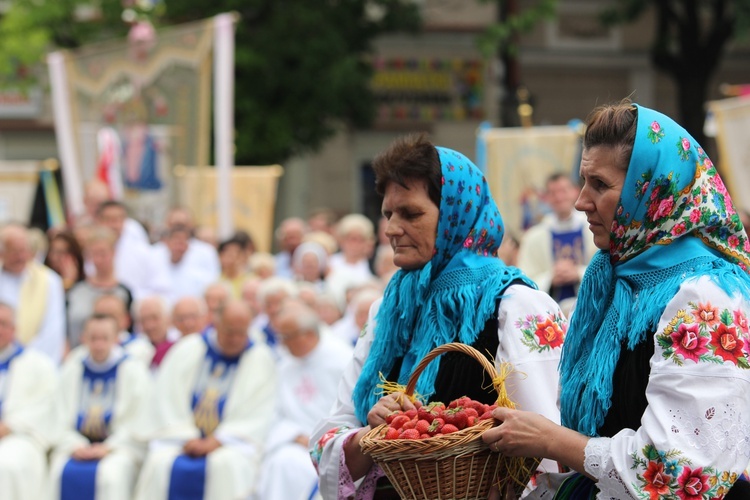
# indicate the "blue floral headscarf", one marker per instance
pixel 674 221
pixel 451 298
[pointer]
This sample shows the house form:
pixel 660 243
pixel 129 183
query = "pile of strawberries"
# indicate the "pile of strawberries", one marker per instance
pixel 435 418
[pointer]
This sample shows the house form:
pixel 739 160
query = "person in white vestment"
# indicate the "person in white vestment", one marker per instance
pixel 97 192
pixel 214 404
pixel 555 252
pixel 189 315
pixel 136 345
pixel 289 236
pixel 199 254
pixel 35 292
pixel 28 381
pixel 351 266
pixel 188 274
pixel 102 411
pixel 135 265
pixel 308 380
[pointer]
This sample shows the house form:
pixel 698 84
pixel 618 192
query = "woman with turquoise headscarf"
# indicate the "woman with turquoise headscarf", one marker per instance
pixel 445 230
pixel 655 379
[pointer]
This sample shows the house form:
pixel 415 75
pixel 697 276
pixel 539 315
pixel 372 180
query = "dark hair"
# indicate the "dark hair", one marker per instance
pixel 102 317
pixel 240 238
pixel 409 157
pixel 110 203
pixel 74 249
pixel 613 125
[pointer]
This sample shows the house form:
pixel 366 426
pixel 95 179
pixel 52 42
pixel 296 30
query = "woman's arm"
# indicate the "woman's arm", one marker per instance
pixel 528 434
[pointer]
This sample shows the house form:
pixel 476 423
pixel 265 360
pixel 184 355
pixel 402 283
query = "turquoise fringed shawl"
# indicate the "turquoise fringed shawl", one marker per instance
pixel 675 222
pixel 452 296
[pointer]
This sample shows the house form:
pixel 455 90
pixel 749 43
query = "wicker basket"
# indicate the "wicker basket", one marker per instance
pixel 450 466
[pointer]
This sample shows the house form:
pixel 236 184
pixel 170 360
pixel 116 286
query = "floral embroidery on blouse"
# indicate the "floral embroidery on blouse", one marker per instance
pixel 708 335
pixel 542 333
pixel 669 475
pixel 317 452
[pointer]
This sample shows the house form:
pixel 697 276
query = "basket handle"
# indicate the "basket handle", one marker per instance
pixel 451 347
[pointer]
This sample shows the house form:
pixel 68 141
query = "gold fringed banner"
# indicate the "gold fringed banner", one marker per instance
pixel 519 160
pixel 732 137
pixel 253 198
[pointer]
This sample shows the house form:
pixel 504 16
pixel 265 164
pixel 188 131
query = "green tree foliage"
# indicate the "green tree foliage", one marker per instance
pixel 689 40
pixel 301 67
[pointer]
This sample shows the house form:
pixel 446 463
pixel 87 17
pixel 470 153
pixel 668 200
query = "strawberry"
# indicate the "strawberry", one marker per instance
pixel 436 426
pixel 460 419
pixel 410 434
pixel 411 424
pixel 471 412
pixel 471 420
pixel 391 416
pixel 486 415
pixel 392 433
pixel 411 413
pixel 422 426
pixel 448 429
pixel 424 414
pixel 424 436
pixel 399 421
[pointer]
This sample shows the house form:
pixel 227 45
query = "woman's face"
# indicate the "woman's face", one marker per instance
pixel 412 223
pixel 603 179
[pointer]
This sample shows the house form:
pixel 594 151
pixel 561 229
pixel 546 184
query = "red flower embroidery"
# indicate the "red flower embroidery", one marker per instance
pixel 727 344
pixel 657 482
pixel 706 313
pixel 688 342
pixel 549 333
pixel 692 484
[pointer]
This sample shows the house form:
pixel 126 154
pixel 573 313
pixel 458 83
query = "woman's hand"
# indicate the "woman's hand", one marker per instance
pixel 528 434
pixel 387 405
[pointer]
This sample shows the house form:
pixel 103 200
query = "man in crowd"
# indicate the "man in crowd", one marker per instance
pixel 135 265
pixel 289 236
pixel 215 400
pixel 190 315
pixel 152 319
pixel 308 381
pixel 34 291
pixel 199 254
pixel 28 381
pixel 136 345
pixel 102 412
pixel 555 252
pixel 187 276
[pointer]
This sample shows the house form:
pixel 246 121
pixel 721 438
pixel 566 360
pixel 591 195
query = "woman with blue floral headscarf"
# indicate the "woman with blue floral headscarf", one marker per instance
pixel 445 230
pixel 655 378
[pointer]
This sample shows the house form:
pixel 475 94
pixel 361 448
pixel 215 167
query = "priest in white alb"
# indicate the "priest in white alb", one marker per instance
pixel 102 411
pixel 309 372
pixel 214 402
pixel 28 381
pixel 34 291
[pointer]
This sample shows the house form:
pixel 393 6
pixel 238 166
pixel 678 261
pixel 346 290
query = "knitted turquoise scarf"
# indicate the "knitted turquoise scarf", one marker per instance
pixel 674 222
pixel 451 298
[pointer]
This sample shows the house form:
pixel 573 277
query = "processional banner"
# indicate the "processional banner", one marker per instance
pixel 732 119
pixel 518 162
pixel 253 198
pixel 139 107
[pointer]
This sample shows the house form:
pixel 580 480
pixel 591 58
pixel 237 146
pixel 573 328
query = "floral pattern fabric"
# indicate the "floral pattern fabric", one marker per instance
pixel 703 334
pixel 542 333
pixel 673 190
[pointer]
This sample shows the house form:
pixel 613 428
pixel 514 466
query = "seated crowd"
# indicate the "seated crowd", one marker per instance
pixel 178 368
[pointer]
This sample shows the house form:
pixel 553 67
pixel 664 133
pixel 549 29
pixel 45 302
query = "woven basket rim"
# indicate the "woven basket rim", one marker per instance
pixel 455 443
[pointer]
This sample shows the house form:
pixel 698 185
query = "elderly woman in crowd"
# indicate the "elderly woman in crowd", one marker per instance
pixel 445 230
pixel 655 379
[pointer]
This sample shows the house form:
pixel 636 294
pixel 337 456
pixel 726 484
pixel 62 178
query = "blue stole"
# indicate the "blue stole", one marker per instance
pixel 4 367
pixel 95 408
pixel 187 480
pixel 566 245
